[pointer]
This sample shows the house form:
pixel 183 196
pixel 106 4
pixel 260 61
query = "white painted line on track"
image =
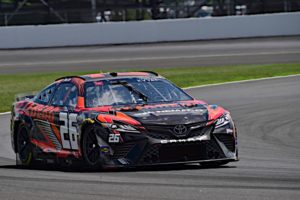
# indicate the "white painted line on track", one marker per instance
pixel 225 83
pixel 242 81
pixel 5 113
pixel 147 58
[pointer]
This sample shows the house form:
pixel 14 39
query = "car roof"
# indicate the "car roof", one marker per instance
pixel 92 77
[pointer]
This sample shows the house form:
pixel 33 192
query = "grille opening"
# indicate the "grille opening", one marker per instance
pixel 120 151
pixel 228 140
pixel 180 152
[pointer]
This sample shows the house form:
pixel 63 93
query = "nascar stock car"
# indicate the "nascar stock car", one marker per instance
pixel 124 119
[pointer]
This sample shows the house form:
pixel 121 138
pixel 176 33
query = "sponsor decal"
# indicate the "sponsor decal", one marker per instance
pixel 123 161
pixel 99 83
pixel 201 111
pixel 229 130
pixel 45 113
pixel 105 149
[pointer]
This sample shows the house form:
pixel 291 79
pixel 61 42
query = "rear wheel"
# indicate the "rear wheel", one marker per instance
pixel 90 148
pixel 24 146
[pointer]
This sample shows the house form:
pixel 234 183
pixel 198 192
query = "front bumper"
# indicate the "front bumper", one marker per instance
pixel 146 150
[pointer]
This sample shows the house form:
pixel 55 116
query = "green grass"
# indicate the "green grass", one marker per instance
pixel 13 84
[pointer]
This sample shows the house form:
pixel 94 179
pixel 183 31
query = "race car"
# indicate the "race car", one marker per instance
pixel 120 119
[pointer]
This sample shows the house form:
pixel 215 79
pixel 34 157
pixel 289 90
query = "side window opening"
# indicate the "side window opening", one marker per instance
pixel 45 96
pixel 65 95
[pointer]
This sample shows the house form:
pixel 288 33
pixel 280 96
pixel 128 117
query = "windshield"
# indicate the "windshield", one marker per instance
pixel 131 91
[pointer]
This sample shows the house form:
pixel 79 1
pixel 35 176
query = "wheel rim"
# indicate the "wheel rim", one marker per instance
pixel 24 146
pixel 92 150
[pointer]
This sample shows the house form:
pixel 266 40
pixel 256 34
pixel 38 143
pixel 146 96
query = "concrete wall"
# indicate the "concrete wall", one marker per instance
pixel 150 31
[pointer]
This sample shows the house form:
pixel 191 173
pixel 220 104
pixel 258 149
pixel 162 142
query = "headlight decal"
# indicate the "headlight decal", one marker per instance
pixel 120 127
pixel 223 120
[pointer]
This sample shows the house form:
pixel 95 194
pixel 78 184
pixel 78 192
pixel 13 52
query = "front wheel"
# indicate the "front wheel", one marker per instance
pixel 90 148
pixel 25 155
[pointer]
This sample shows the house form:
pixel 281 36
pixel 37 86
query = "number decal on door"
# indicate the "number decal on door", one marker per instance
pixel 68 131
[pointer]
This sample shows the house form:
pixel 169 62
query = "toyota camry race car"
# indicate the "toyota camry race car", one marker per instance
pixel 124 119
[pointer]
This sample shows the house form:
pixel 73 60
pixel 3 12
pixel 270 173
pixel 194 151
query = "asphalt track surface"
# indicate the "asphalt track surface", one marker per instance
pixel 267 114
pixel 151 56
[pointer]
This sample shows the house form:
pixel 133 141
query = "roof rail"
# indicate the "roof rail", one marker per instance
pixel 151 72
pixel 65 77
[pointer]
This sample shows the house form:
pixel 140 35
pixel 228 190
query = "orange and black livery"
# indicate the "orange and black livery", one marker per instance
pixel 120 119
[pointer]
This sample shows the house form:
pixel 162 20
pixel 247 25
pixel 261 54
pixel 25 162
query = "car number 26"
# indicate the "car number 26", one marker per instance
pixel 68 130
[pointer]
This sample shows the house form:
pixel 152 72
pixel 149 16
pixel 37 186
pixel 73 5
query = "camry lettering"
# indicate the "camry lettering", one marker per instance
pixel 196 139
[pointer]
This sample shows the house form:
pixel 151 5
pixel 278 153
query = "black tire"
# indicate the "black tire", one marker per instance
pixel 24 147
pixel 90 148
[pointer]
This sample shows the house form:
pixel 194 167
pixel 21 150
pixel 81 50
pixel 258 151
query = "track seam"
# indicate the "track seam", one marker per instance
pixel 217 84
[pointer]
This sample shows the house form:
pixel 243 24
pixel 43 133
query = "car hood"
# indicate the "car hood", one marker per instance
pixel 169 114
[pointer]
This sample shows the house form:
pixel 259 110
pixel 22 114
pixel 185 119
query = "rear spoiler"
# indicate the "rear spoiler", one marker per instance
pixel 25 96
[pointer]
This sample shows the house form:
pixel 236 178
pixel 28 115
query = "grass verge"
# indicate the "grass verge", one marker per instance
pixel 12 84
